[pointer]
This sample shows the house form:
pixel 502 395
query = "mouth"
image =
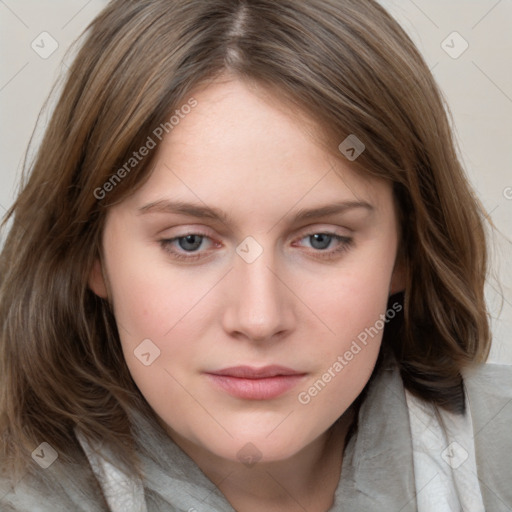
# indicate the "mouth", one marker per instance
pixel 251 383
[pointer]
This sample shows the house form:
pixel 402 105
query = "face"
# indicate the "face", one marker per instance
pixel 249 247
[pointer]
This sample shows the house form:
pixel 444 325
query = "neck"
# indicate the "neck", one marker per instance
pixel 307 480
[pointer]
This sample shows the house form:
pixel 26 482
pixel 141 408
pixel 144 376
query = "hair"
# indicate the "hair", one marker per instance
pixel 350 68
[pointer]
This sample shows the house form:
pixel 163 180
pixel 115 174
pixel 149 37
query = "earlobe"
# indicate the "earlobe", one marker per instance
pixel 97 280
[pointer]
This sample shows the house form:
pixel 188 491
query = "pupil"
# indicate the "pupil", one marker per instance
pixel 190 243
pixel 321 241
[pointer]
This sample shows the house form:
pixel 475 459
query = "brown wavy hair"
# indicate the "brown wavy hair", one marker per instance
pixel 351 68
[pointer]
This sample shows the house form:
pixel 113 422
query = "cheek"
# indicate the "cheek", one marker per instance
pixel 345 359
pixel 157 317
pixel 352 305
pixel 168 306
pixel 351 299
pixel 149 296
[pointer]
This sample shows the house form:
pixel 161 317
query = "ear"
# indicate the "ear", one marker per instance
pixel 97 282
pixel 398 278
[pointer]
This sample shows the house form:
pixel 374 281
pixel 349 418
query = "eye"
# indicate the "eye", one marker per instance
pixel 185 247
pixel 191 246
pixel 328 245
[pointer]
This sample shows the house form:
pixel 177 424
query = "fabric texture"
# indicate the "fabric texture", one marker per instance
pixel 406 455
pixel 444 459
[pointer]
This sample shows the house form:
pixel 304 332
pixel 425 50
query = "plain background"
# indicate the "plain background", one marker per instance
pixel 477 85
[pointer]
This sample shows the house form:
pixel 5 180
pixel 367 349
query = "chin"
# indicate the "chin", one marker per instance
pixel 259 447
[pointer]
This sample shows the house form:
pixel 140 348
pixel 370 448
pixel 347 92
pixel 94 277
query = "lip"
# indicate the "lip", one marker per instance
pixel 251 372
pixel 252 383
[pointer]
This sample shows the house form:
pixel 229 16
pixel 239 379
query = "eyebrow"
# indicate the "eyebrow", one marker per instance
pixel 206 212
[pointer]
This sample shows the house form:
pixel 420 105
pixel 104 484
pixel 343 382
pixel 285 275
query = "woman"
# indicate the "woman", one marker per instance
pixel 246 273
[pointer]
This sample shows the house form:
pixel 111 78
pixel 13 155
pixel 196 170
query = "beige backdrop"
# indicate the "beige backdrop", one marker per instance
pixel 467 44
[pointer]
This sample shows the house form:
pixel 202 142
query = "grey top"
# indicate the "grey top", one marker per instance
pixel 377 472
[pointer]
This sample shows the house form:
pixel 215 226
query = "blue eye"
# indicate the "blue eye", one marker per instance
pixel 187 247
pixel 190 242
pixel 322 241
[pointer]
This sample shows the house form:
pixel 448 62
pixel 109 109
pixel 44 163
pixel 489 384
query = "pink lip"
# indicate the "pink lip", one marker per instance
pixel 256 383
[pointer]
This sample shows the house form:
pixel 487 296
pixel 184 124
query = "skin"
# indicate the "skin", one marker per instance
pixel 243 152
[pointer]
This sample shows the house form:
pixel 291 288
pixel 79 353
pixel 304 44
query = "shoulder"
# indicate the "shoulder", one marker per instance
pixel 487 373
pixel 489 392
pixel 54 491
pixel 28 495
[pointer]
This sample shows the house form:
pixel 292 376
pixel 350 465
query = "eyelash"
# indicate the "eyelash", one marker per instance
pixel 345 244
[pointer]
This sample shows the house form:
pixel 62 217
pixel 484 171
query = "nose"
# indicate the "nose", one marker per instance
pixel 260 306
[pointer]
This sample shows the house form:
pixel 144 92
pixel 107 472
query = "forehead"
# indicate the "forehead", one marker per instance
pixel 242 149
